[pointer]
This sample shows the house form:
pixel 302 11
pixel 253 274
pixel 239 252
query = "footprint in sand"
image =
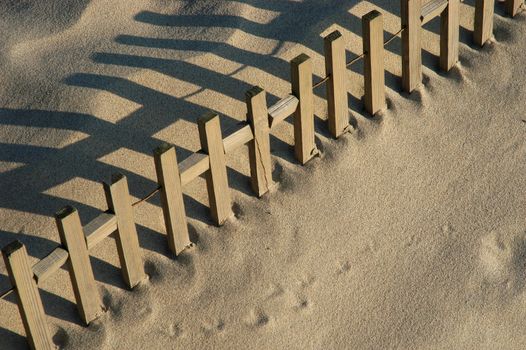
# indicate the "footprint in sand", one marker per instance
pixel 503 258
pixel 257 318
pixel 302 304
pixel 343 268
pixel 213 326
pixel 175 330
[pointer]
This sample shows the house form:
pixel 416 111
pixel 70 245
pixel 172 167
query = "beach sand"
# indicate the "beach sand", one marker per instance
pixel 407 233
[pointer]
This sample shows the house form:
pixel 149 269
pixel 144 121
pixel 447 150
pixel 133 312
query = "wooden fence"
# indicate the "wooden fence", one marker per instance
pixel 78 241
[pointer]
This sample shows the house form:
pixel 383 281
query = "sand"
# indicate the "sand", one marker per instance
pixel 407 233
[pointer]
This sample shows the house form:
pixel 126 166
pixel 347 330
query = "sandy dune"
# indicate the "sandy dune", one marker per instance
pixel 408 233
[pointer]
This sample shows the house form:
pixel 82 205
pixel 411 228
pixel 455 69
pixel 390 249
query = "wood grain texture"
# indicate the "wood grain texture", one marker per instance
pixel 282 109
pixel 411 11
pixel 50 264
pixel 216 177
pixel 172 203
pixel 80 271
pixel 301 79
pixel 432 9
pixel 449 35
pixel 512 7
pixel 193 166
pixel 374 66
pixel 484 10
pixel 99 228
pixel 237 139
pixel 119 203
pixel 29 302
pixel 336 70
pixel 259 147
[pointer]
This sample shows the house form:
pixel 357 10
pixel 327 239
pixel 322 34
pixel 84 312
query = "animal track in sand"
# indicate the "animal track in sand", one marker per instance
pixel 213 326
pixel 343 268
pixel 275 291
pixel 503 258
pixel 307 282
pixel 448 230
pixel 257 318
pixel 175 330
pixel 302 304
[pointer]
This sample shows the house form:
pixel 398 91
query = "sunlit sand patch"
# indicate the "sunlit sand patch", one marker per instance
pixel 132 161
pixel 391 20
pixel 216 63
pixel 253 43
pixel 353 42
pixel 113 108
pixel 273 84
pixel 8 166
pixel 225 105
pixel 76 189
pixel 40 137
pixel 164 83
pixel 182 133
pixel 248 12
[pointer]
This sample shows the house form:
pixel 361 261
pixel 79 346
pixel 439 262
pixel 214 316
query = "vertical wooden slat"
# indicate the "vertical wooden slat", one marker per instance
pixel 336 70
pixel 216 176
pixel 301 79
pixel 172 202
pixel 119 203
pixel 259 147
pixel 483 31
pixel 374 71
pixel 512 7
pixel 29 302
pixel 81 273
pixel 449 35
pixel 411 44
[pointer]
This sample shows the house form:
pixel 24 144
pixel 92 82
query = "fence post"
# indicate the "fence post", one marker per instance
pixel 336 70
pixel 374 73
pixel 119 203
pixel 449 35
pixel 301 79
pixel 29 302
pixel 259 147
pixel 80 271
pixel 172 202
pixel 483 31
pixel 512 7
pixel 411 11
pixel 216 176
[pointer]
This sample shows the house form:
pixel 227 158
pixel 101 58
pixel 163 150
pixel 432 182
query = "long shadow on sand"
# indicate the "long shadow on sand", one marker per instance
pixel 44 168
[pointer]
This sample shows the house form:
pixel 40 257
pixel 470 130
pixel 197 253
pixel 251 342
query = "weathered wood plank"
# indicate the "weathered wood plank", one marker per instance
pixel 171 198
pixel 411 44
pixel 374 67
pixel 99 228
pixel 50 264
pixel 512 7
pixel 336 70
pixel 216 176
pixel 484 10
pixel 259 147
pixel 449 35
pixel 282 110
pixel 193 166
pixel 81 273
pixel 432 9
pixel 119 203
pixel 301 79
pixel 29 302
pixel 238 139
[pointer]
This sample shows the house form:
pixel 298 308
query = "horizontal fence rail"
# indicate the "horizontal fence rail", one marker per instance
pixel 210 162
